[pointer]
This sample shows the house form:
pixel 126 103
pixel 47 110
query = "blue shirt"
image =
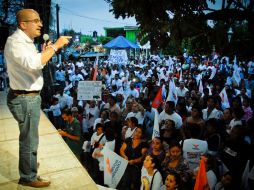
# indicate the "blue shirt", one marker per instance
pixel 60 75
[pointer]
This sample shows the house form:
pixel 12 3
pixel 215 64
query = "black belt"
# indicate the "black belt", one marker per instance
pixel 20 92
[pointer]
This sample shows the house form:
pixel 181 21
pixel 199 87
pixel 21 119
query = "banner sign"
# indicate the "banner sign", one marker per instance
pixel 114 167
pixel 118 57
pixel 89 90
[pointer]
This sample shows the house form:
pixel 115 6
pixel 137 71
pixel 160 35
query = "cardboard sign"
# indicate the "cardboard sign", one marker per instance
pixel 89 90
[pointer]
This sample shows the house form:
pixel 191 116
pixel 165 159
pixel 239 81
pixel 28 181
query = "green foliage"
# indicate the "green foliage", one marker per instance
pixel 186 20
pixel 8 9
pixel 100 39
pixel 104 39
pixel 69 32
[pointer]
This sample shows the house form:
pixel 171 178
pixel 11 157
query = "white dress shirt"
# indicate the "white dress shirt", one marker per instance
pixel 23 62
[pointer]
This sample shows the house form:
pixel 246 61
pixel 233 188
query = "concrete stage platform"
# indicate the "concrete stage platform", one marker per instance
pixel 57 163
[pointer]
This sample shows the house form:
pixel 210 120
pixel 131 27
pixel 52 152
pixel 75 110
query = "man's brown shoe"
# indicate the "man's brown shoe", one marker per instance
pixel 37 183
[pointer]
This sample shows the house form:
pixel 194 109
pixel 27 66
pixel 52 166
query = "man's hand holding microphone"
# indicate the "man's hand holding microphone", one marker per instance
pixel 48 46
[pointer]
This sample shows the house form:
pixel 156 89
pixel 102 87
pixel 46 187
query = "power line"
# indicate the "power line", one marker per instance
pixel 91 18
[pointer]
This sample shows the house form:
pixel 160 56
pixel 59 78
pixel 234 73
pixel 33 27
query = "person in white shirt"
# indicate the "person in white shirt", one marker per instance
pixel 112 105
pixel 55 108
pixel 104 118
pixel 76 77
pixel 181 90
pixel 63 99
pixel 169 113
pixel 99 151
pixel 98 137
pixel 150 176
pixel 117 82
pixel 24 66
pixel 79 64
pixel 132 91
pixel 132 124
pixel 114 71
pixel 60 76
pixel 137 112
pixel 211 111
pixel 194 148
pixel 238 114
pixel 92 113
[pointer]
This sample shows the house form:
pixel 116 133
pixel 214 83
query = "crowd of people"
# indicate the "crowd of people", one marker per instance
pixel 210 116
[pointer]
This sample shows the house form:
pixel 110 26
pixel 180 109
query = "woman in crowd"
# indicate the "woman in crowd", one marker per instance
pixel 172 181
pixel 133 150
pixel 98 154
pixel 175 162
pixel 169 133
pixel 129 130
pixel 157 149
pixel 151 178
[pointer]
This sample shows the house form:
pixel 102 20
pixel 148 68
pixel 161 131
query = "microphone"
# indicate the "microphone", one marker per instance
pixel 45 38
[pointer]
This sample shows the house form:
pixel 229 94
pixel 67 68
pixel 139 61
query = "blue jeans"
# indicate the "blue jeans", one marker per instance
pixel 26 111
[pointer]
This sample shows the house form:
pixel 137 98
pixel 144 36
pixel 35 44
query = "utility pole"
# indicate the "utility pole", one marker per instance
pixel 57 20
pixel 57 30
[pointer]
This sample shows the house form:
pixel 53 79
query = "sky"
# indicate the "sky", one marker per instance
pixel 86 16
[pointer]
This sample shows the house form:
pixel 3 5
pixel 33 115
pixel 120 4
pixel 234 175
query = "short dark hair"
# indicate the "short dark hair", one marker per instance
pixel 171 104
pixel 67 112
pixel 134 120
pixel 99 125
pixel 155 161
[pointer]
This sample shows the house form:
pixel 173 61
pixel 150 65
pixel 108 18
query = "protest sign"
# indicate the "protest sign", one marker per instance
pixel 118 57
pixel 89 90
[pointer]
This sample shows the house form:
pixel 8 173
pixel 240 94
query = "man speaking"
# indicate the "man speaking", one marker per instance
pixel 24 66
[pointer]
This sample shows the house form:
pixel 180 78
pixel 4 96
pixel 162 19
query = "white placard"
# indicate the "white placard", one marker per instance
pixel 118 57
pixel 89 90
pixel 114 167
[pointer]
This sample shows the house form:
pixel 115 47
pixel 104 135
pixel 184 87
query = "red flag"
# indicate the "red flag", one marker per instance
pixel 95 70
pixel 201 179
pixel 95 67
pixel 158 99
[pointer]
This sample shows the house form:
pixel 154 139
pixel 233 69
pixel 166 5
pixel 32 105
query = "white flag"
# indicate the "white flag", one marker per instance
pixel 236 76
pixel 156 129
pixel 210 90
pixel 224 99
pixel 181 75
pixel 214 70
pixel 114 167
pixel 172 94
pixel 235 66
pixel 200 87
pixel 198 78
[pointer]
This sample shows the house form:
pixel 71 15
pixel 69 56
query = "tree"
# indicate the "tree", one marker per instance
pixel 166 21
pixel 8 9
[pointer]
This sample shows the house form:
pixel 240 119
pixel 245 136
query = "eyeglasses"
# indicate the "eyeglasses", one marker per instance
pixel 35 21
